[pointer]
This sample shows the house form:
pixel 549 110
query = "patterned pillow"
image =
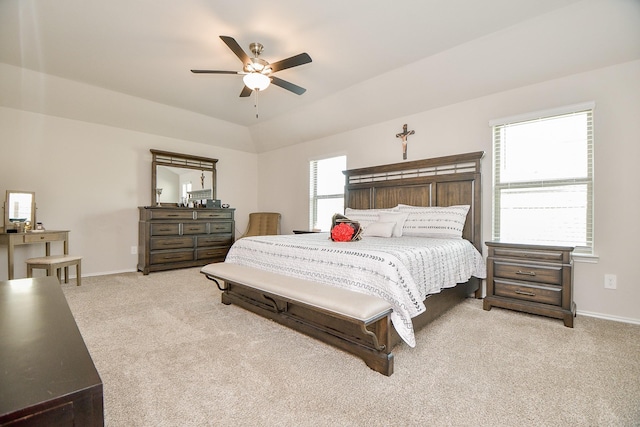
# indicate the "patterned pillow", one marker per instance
pixel 364 216
pixel 434 221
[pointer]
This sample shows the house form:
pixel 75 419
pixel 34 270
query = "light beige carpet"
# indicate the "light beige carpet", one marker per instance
pixel 170 354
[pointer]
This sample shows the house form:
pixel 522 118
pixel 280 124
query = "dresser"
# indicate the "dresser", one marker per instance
pixel 47 376
pixel 171 237
pixel 535 279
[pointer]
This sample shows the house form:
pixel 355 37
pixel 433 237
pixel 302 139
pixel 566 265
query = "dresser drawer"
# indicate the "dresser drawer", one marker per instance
pixel 214 214
pixel 171 256
pixel 541 273
pixel 43 237
pixel 220 227
pixel 194 228
pixel 165 229
pixel 169 214
pixel 207 253
pixel 158 243
pixel 214 240
pixel 528 291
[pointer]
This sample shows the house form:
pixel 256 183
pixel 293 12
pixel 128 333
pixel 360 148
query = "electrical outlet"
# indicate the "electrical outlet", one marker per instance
pixel 134 250
pixel 610 281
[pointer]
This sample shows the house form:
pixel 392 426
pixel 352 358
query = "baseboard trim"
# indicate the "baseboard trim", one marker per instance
pixel 610 317
pixel 107 273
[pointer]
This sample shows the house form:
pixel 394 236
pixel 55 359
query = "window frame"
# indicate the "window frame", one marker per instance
pixel 313 189
pixel 499 187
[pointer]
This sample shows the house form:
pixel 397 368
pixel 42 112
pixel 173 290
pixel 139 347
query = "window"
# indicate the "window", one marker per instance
pixel 543 178
pixel 326 191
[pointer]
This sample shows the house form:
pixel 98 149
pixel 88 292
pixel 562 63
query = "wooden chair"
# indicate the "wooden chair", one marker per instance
pixel 56 263
pixel 263 224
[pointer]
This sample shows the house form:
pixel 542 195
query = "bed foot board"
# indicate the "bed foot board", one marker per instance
pixel 370 342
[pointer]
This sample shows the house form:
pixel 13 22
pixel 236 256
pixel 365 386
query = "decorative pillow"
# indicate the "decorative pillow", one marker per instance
pixel 364 216
pixel 379 229
pixel 344 229
pixel 434 221
pixel 398 218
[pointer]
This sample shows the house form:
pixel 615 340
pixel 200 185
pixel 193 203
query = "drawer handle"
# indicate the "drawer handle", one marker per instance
pixel 171 257
pixel 529 294
pixel 526 273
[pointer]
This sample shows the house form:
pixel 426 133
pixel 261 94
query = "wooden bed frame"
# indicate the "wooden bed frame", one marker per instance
pixel 443 181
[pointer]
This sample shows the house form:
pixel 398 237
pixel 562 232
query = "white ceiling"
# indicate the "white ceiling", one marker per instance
pixel 372 60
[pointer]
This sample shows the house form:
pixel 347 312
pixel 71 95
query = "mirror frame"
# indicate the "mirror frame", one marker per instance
pixel 32 217
pixel 185 161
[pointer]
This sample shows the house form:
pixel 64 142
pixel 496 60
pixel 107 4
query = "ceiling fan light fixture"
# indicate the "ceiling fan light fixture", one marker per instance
pixel 256 81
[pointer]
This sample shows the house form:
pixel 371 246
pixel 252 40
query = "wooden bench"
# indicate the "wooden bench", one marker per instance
pixel 352 321
pixel 54 263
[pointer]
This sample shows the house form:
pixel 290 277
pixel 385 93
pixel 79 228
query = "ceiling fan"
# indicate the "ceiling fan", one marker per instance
pixel 257 72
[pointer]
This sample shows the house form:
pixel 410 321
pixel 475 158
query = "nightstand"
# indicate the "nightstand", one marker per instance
pixel 532 278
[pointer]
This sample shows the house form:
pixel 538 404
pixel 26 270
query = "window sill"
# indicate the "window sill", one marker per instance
pixel 586 258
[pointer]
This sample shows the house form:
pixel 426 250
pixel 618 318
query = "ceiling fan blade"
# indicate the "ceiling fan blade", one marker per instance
pixel 294 61
pixel 235 47
pixel 287 85
pixel 245 92
pixel 216 72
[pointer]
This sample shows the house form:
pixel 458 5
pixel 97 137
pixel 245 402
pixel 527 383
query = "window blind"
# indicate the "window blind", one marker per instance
pixel 543 179
pixel 326 191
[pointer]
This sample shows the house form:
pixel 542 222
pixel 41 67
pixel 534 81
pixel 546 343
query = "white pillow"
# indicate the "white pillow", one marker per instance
pixel 398 218
pixel 364 216
pixel 379 229
pixel 434 221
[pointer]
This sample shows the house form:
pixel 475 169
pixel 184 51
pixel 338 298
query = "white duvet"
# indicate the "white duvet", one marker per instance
pixel 401 270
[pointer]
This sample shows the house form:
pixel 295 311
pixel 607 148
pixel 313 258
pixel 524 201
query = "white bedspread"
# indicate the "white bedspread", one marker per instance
pixel 402 271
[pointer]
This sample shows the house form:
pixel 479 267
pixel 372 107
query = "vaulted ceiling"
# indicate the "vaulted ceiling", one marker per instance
pixel 372 60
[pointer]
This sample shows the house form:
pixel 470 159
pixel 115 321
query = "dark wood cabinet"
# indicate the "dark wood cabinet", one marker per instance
pixel 47 377
pixel 170 237
pixel 536 279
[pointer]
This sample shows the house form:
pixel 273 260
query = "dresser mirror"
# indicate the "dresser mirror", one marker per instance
pixel 174 176
pixel 19 207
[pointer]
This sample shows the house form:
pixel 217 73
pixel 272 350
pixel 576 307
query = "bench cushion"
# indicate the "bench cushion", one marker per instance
pixel 342 301
pixel 53 259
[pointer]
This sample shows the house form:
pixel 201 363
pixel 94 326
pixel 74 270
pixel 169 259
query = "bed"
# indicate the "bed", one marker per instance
pixel 375 265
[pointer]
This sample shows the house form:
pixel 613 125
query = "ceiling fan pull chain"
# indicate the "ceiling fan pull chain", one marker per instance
pixel 255 104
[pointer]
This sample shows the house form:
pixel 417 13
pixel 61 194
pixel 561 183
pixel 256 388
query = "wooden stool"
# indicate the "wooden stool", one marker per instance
pixel 56 262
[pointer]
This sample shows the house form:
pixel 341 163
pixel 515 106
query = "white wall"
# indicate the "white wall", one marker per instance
pixel 91 178
pixel 283 173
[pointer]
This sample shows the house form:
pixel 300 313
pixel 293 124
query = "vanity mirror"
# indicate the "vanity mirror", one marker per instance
pixel 19 207
pixel 174 176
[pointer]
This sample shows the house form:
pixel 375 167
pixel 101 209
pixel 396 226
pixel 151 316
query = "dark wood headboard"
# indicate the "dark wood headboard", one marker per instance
pixel 441 181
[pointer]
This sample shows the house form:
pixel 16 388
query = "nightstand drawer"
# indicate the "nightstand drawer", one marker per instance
pixel 540 273
pixel 528 292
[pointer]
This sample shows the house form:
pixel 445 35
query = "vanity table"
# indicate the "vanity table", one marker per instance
pixel 11 240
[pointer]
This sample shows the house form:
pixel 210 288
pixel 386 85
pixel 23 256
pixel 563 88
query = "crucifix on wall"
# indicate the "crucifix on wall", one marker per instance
pixel 403 136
